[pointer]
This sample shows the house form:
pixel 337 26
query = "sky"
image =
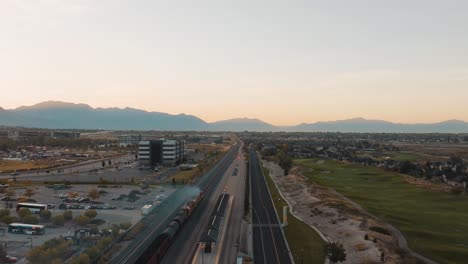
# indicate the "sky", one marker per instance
pixel 285 62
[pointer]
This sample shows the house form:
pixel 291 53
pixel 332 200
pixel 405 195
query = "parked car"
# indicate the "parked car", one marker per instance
pixel 8 259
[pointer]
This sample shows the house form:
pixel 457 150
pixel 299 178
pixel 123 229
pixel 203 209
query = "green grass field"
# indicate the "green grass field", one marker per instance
pixel 434 223
pixel 306 245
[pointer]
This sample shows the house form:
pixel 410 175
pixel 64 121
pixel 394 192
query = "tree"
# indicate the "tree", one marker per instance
pixel 31 219
pixel 285 162
pixel 58 220
pixel 45 215
pixel 93 252
pixel 94 194
pixel 23 212
pixel 125 225
pixel 8 219
pixel 94 230
pixel 29 192
pixel 82 220
pixel 115 230
pixel 10 193
pixel 2 252
pixel 90 214
pixel 83 258
pixel 173 181
pixel 4 212
pixel 335 252
pixel 68 215
pixel 103 243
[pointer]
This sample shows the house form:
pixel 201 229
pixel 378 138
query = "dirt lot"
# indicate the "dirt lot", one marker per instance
pixel 338 219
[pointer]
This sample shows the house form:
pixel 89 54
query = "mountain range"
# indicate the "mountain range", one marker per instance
pixel 62 115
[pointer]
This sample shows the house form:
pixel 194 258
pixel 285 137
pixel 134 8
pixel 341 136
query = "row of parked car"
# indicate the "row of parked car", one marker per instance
pixel 87 206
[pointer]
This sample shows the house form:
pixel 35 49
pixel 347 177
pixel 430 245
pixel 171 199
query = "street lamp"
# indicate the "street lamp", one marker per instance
pixel 203 251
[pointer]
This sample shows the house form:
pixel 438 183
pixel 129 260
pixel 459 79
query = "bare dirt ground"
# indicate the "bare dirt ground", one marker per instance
pixel 339 219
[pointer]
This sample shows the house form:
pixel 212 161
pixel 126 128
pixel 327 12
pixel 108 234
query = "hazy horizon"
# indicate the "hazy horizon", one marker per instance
pixel 283 62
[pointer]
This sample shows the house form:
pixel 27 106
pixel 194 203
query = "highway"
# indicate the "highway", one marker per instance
pixel 269 244
pixel 185 244
pixel 236 187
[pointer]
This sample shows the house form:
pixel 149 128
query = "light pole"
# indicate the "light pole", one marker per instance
pixel 203 252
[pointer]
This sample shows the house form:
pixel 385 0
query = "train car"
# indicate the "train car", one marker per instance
pixel 156 250
pixel 180 218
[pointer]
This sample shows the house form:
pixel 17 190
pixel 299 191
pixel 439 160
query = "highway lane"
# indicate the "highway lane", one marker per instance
pixel 185 243
pixel 269 243
pixel 235 187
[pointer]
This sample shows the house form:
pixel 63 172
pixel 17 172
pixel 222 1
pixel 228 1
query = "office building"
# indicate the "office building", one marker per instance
pixel 163 152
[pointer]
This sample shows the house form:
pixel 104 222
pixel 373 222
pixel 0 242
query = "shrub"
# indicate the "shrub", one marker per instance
pixel 94 230
pixel 82 220
pixel 45 215
pixel 335 252
pixel 58 220
pixel 4 212
pixel 93 252
pixel 115 230
pixel 68 215
pixel 125 225
pixel 23 212
pixel 83 258
pixel 31 219
pixel 91 213
pixel 103 243
pixel 8 219
pixel 96 222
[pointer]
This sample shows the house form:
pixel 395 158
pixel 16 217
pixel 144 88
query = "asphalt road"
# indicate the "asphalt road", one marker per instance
pixel 69 169
pixel 236 188
pixel 269 245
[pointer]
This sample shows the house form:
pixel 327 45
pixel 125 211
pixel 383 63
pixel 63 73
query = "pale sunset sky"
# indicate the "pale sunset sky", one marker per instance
pixel 285 62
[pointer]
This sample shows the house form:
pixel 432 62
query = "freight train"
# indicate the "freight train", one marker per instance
pixel 157 249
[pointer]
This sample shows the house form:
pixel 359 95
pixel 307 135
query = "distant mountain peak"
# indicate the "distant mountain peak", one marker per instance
pixel 54 105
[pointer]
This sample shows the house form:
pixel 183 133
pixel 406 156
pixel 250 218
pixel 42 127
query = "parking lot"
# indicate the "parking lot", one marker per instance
pixel 114 206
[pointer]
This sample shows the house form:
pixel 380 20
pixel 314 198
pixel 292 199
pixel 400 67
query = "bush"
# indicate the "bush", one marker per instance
pixel 54 250
pixel 93 252
pixel 91 213
pixel 335 252
pixel 31 219
pixel 94 230
pixel 62 206
pixel 4 212
pixel 68 215
pixel 23 212
pixel 58 220
pixel 125 225
pixel 83 258
pixel 115 230
pixel 8 219
pixel 82 220
pixel 103 243
pixel 45 215
pixel 96 222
